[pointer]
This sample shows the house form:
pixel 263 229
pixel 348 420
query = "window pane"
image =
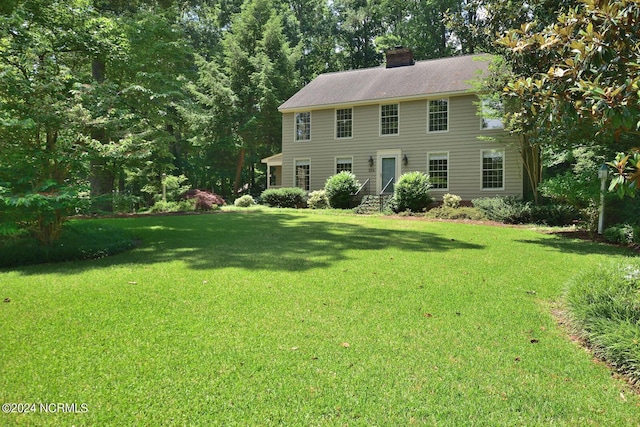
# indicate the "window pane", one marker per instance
pixel 438 115
pixel 492 169
pixel 438 170
pixel 303 126
pixel 344 121
pixel 389 119
pixel 344 164
pixel 491 113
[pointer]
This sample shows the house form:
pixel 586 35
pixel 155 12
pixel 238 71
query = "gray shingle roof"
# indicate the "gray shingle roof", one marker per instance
pixel 425 78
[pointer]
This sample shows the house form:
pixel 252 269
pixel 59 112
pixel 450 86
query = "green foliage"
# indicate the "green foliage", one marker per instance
pixel 287 197
pixel 451 201
pixel 448 212
pixel 587 76
pixel 604 304
pixel 318 200
pixel 508 210
pixel 80 240
pixel 179 206
pixel 578 189
pixel 626 173
pixel 42 213
pixel 623 234
pixel 412 192
pixel 244 201
pixel 175 187
pixel 340 189
pixel 554 214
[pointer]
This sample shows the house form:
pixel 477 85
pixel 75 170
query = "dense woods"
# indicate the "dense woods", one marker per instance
pixel 100 99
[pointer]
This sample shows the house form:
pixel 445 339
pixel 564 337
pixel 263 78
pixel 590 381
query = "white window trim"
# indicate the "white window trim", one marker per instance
pixel 448 168
pixel 295 178
pixel 295 127
pixel 504 168
pixel 429 115
pixel 335 162
pixel 482 119
pixel 380 121
pixel 335 123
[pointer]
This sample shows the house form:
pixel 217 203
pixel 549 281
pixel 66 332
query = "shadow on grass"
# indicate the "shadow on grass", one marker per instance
pixel 569 244
pixel 256 241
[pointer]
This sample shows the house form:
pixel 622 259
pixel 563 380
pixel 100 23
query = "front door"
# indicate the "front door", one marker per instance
pixel 388 166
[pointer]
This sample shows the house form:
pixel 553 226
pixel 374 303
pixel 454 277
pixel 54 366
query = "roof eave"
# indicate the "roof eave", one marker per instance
pixel 376 101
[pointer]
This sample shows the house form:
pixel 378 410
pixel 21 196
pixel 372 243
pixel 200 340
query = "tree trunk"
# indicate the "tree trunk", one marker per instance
pixel 101 176
pixel 238 181
pixel 533 166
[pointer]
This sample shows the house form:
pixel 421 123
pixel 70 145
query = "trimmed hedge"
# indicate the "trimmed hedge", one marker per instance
pixel 412 192
pixel 340 188
pixel 287 197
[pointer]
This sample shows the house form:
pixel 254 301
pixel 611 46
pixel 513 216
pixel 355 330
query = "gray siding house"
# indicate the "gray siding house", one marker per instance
pixel 381 122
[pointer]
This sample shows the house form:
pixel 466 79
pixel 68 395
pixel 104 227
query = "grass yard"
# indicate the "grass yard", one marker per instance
pixel 285 317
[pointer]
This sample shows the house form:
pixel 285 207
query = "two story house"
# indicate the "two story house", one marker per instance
pixel 406 116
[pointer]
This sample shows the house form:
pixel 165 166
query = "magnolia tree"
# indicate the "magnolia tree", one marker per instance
pixel 592 79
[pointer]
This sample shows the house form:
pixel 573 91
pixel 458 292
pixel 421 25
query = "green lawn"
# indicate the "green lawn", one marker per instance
pixel 286 317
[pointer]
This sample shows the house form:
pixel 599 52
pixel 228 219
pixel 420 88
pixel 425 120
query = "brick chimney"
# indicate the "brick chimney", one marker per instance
pixel 399 57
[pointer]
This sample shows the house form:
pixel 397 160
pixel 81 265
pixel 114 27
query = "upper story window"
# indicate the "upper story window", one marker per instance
pixel 438 116
pixel 439 170
pixel 344 123
pixel 344 164
pixel 492 169
pixel 303 126
pixel 491 114
pixel 389 119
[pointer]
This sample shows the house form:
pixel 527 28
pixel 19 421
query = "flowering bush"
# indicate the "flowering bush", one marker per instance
pixel 204 200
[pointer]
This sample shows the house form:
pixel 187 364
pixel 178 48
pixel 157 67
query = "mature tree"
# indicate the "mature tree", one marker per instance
pixel 418 25
pixel 42 57
pixel 135 84
pixel 209 112
pixel 359 23
pixel 316 34
pixel 259 64
pixel 475 25
pixel 593 77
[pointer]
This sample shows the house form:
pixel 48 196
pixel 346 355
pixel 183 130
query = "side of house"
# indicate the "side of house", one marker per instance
pixel 380 137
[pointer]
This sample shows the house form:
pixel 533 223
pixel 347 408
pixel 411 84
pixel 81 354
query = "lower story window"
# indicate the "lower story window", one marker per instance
pixel 344 164
pixel 492 169
pixel 439 170
pixel 302 174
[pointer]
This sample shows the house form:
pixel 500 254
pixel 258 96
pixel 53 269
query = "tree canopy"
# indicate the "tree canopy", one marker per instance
pixel 103 98
pixel 591 76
